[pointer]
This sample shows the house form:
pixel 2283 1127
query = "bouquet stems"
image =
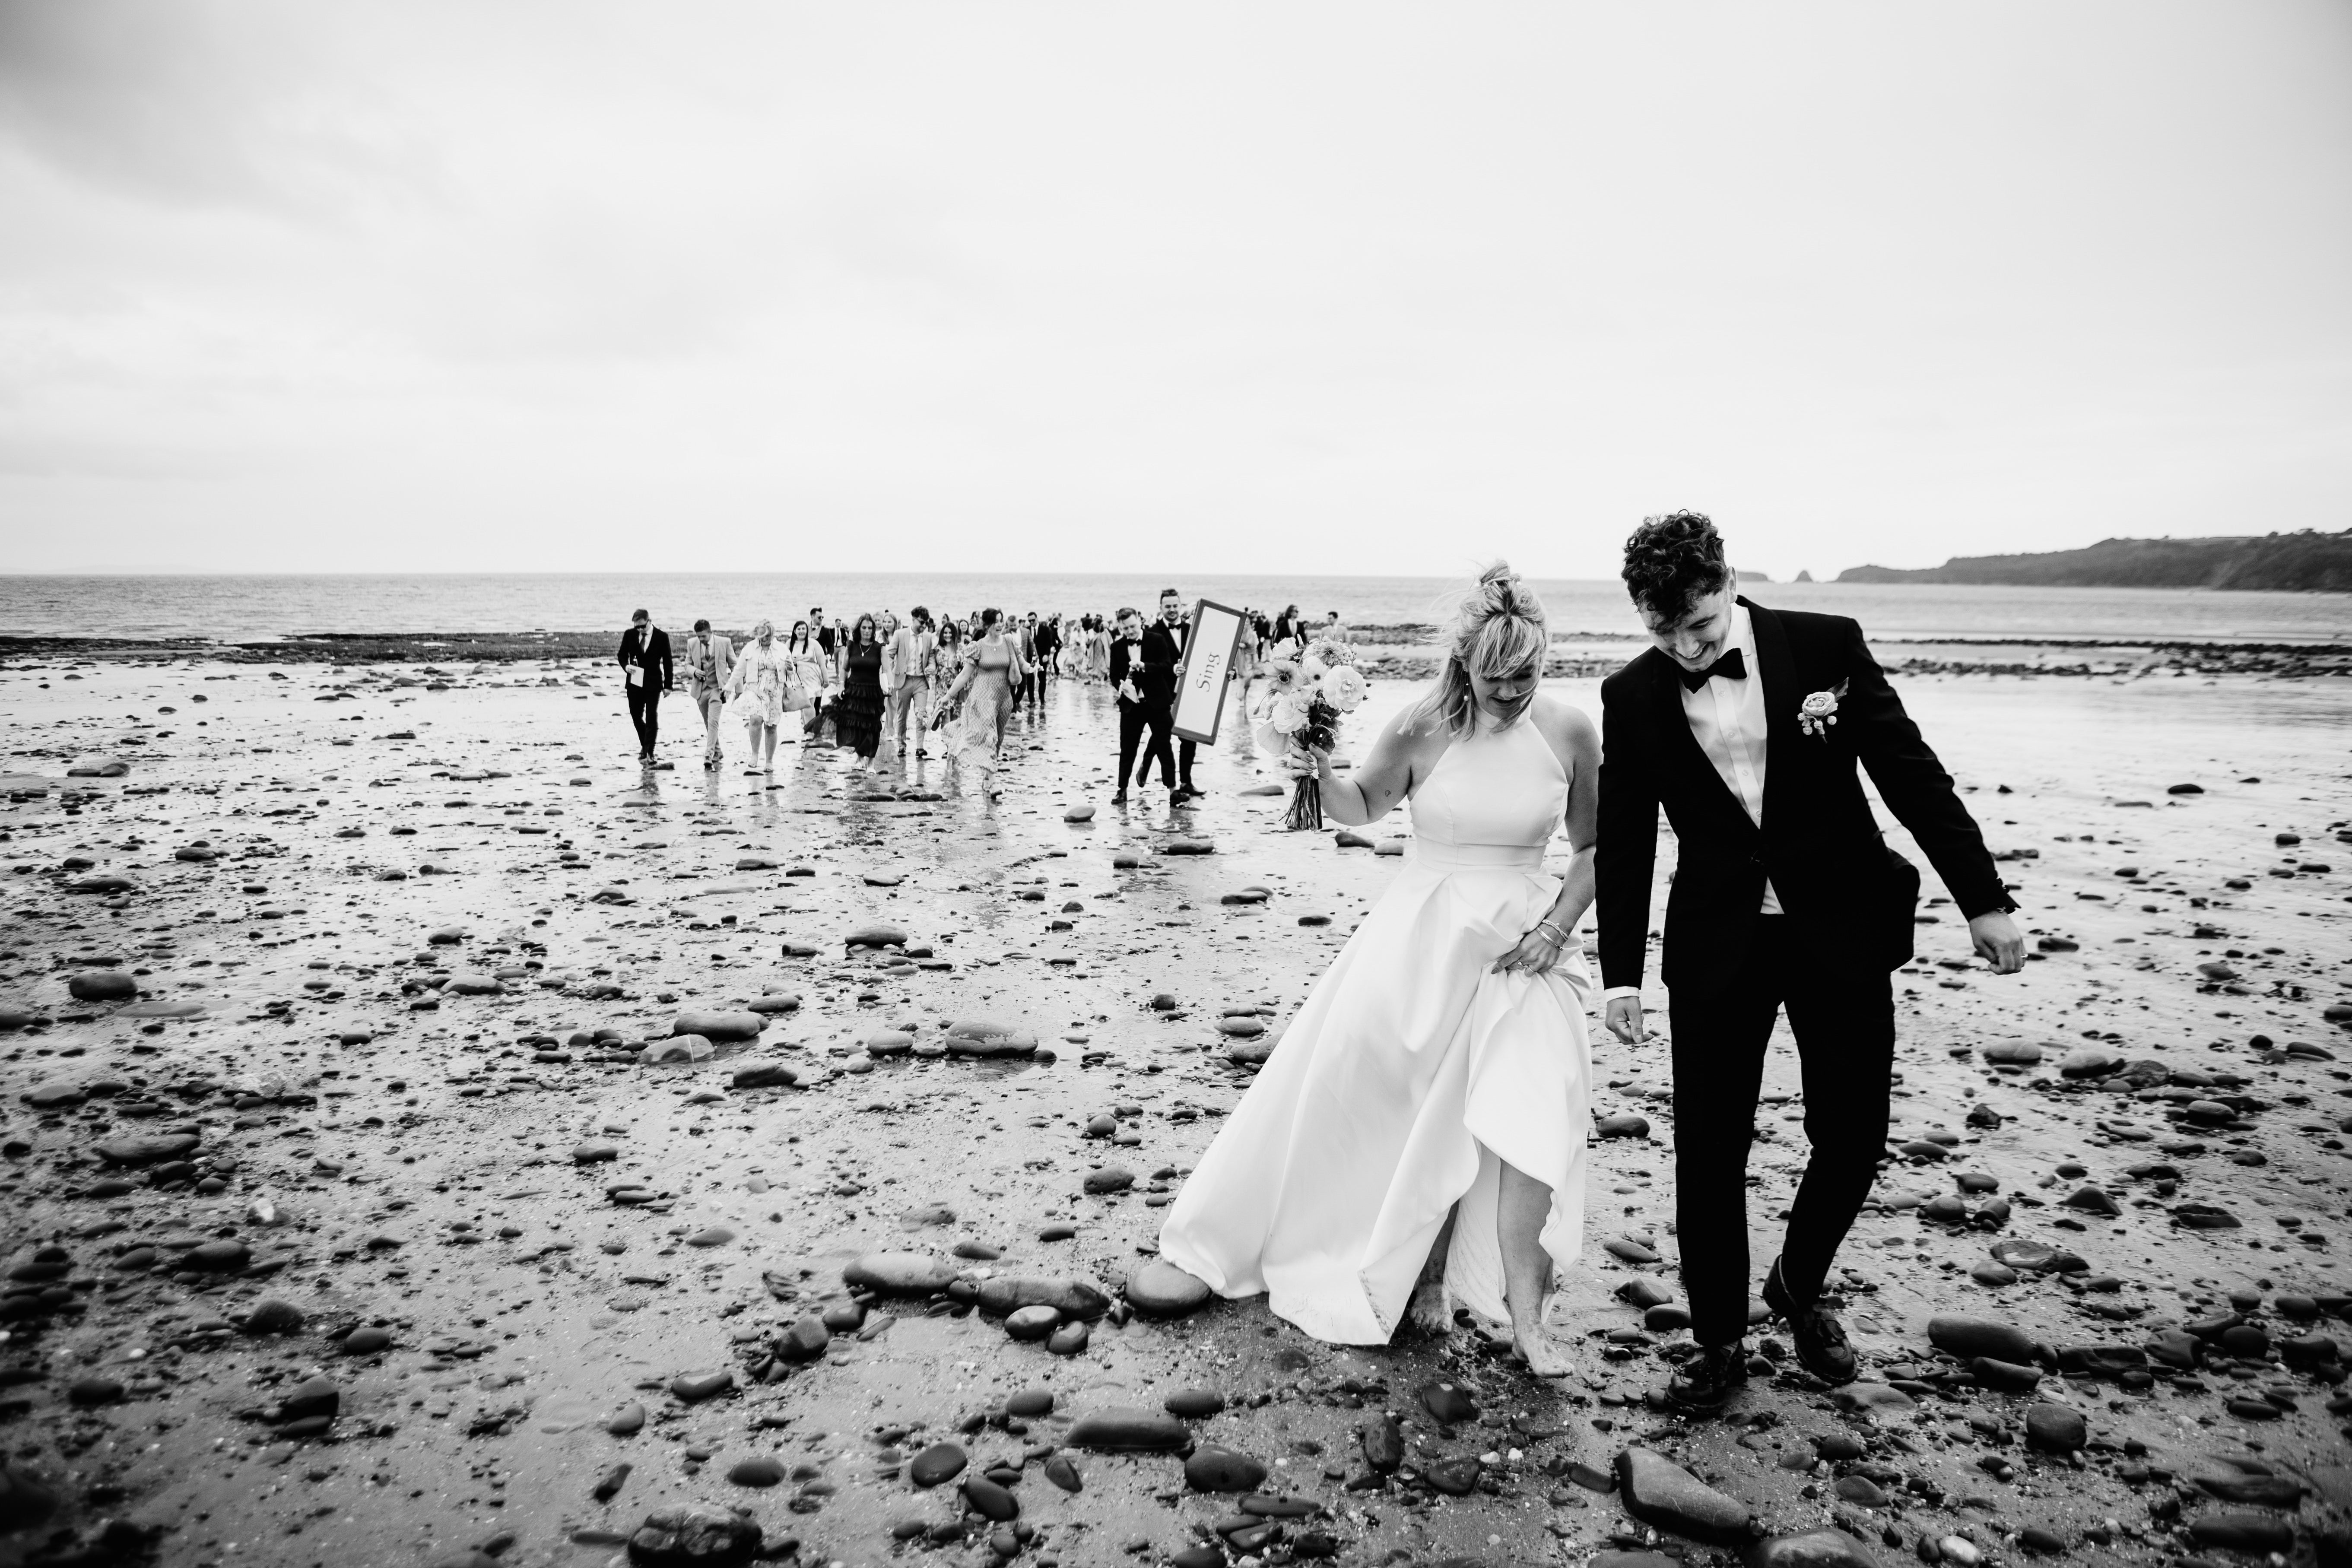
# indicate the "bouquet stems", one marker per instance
pixel 1305 806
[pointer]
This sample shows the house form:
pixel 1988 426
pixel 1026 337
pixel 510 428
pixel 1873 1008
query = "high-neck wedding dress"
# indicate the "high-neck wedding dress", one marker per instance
pixel 1410 1074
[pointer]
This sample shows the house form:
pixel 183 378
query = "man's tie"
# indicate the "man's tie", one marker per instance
pixel 1731 667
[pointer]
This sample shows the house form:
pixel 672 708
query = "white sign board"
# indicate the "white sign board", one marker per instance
pixel 1208 661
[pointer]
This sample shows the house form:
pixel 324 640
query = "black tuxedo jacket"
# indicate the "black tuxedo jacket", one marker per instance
pixel 655 658
pixel 1163 651
pixel 1850 896
pixel 1126 659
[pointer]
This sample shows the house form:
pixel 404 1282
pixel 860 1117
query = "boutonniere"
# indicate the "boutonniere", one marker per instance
pixel 1819 710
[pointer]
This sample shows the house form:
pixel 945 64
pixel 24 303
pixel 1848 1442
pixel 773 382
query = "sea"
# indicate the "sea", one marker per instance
pixel 229 608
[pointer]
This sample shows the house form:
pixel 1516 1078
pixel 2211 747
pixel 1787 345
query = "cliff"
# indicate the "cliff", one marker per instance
pixel 2308 560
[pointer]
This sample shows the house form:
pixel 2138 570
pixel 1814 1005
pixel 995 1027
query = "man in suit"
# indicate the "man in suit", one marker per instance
pixel 1163 658
pixel 1746 726
pixel 645 664
pixel 1127 679
pixel 914 655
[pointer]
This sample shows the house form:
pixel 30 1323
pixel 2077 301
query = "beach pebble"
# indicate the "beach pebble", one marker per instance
pixel 899 1274
pixel 272 1317
pixel 1212 1468
pixel 2055 1428
pixel 2036 1257
pixel 366 1340
pixel 939 1463
pixel 1079 814
pixel 1118 1429
pixel 1110 1179
pixel 693 1535
pixel 2089 1061
pixel 102 985
pixel 1622 1124
pixel 1968 1338
pixel 876 935
pixel 1004 1293
pixel 1032 1323
pixel 696 1386
pixel 759 1470
pixel 1194 1404
pixel 1159 1289
pixel 626 1421
pixel 990 1501
pixel 718 1027
pixel 1657 1492
pixel 2012 1053
pixel 1070 1339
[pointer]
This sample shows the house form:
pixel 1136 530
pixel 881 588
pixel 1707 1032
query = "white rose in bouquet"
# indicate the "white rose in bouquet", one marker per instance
pixel 1288 713
pixel 1346 688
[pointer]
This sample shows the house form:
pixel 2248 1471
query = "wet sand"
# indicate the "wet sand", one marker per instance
pixel 368 922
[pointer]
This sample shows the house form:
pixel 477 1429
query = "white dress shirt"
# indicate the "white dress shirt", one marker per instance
pixel 1727 719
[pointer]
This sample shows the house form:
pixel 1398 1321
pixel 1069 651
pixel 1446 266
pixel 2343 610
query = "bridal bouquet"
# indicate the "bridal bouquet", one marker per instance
pixel 1297 713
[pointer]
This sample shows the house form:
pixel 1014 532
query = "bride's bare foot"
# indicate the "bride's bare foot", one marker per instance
pixel 1429 1310
pixel 1544 1356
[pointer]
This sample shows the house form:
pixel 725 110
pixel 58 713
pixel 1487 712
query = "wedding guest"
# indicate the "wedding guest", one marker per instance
pixel 709 661
pixel 1420 1129
pixel 915 651
pixel 886 624
pixel 646 667
pixel 1047 643
pixel 809 679
pixel 1750 728
pixel 860 726
pixel 762 686
pixel 1099 656
pixel 983 699
pixel 1125 670
pixel 822 628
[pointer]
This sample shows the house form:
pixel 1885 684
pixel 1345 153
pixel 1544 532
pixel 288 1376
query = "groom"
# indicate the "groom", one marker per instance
pixel 1747 725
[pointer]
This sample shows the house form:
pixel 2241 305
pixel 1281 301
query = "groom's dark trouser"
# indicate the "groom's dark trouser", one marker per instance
pixel 1843 1019
pixel 645 712
pixel 1130 736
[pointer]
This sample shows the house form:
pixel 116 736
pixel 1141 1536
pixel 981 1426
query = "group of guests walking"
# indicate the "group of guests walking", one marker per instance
pixel 884 687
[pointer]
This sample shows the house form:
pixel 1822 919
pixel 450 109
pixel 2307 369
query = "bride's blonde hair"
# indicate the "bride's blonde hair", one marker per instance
pixel 1498 631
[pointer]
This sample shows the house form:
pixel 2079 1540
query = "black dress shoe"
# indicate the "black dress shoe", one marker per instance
pixel 1710 1377
pixel 1119 799
pixel 1820 1337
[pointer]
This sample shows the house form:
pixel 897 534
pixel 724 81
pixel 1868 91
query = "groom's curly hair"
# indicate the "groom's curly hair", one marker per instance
pixel 1672 559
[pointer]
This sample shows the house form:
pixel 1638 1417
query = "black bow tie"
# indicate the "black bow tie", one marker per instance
pixel 1732 666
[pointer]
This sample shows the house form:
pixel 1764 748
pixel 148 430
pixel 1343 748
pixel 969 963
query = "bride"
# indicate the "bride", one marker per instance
pixel 1419 1130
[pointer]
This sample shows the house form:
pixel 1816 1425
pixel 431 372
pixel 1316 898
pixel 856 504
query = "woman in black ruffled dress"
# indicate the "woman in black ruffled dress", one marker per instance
pixel 860 721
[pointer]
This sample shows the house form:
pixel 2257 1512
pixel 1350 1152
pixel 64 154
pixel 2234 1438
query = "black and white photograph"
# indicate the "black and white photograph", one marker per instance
pixel 1029 786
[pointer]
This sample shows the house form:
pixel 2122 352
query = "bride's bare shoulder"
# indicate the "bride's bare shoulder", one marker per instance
pixel 1561 719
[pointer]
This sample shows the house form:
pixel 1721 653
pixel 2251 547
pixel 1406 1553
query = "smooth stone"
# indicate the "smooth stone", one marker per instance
pixel 1644 1292
pixel 988 1500
pixel 1123 1429
pixel 1194 1404
pixel 2005 1376
pixel 767 1006
pixel 2057 1428
pixel 1079 814
pixel 1110 1179
pixel 159 1008
pixel 1448 1405
pixel 594 1151
pixel 1872 1396
pixel 1860 1490
pixel 899 1274
pixel 2089 1061
pixel 102 985
pixel 1657 1492
pixel 877 935
pixel 311 1396
pixel 1215 1469
pixel 678 1048
pixel 1968 1337
pixel 217 1257
pixel 1159 1289
pixel 939 1462
pixel 1064 1474
pixel 2012 1053
pixel 1070 1339
pixel 2091 1200
pixel 1030 1402
pixel 765 1075
pixel 695 1387
pixel 366 1341
pixel 693 1535
pixel 2259 1532
pixel 760 1470
pixel 890 1043
pixel 1622 1124
pixel 721 1027
pixel 273 1317
pixel 628 1420
pixel 2203 1216
pixel 1032 1323
pixel 1382 1440
pixel 1813 1549
pixel 1007 1293
pixel 2037 1257
pixel 148 1151
pixel 805 1341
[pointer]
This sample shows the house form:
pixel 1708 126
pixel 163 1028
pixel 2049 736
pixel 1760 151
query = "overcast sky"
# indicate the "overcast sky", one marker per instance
pixel 1292 287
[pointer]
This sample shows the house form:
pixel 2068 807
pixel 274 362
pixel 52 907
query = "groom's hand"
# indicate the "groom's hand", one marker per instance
pixel 1997 941
pixel 1623 1019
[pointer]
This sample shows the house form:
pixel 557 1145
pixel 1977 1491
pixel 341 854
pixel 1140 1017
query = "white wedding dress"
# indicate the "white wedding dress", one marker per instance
pixel 1409 1075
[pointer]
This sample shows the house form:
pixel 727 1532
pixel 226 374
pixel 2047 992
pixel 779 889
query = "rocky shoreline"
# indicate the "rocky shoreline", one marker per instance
pixel 431 1143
